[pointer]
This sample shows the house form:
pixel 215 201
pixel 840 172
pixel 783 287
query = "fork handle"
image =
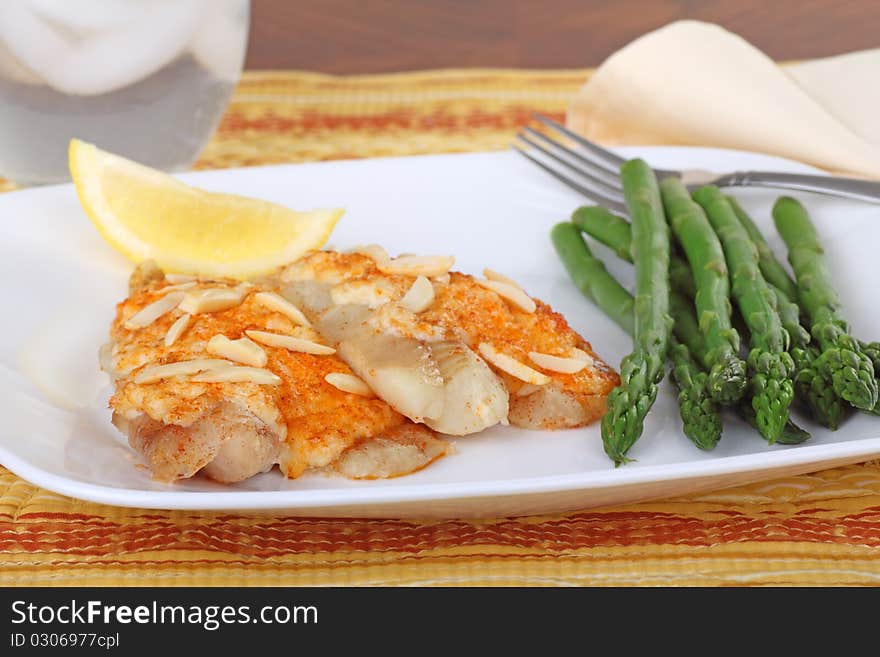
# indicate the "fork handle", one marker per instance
pixel 854 188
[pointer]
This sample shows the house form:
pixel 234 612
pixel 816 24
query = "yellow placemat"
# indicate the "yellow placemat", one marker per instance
pixel 813 529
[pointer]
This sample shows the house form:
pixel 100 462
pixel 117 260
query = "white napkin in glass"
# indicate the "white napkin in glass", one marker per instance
pixel 696 83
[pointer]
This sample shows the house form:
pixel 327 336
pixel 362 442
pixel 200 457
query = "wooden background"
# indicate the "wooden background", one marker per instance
pixel 371 36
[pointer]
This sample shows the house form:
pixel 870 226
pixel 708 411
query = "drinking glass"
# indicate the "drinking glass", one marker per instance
pixel 148 79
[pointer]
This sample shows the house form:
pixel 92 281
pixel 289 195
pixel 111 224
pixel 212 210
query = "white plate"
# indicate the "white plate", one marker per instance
pixel 60 283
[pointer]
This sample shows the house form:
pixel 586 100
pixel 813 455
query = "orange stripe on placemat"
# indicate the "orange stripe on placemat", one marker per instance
pixel 310 121
pixel 98 537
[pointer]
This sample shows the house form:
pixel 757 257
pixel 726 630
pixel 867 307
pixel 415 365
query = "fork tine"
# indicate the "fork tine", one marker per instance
pixel 602 177
pixel 608 160
pixel 610 203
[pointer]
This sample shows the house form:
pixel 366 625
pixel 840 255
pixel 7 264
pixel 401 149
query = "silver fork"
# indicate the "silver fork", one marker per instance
pixel 594 171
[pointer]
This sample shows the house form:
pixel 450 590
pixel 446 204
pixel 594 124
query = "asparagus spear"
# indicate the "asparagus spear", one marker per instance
pixel 727 372
pixel 770 365
pixel 686 326
pixel 773 271
pixel 642 370
pixel 791 433
pixel 701 419
pixel 813 389
pixel 699 414
pixel 688 331
pixel 606 227
pixel 616 233
pixel 680 276
pixel 872 351
pixel 810 385
pixel 790 317
pixel 591 277
pixel 841 359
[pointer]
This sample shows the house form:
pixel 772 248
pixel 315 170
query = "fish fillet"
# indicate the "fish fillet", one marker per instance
pixel 236 429
pixel 462 312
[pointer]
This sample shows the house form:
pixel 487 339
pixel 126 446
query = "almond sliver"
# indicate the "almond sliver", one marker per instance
pixel 179 278
pixel 557 363
pixel 418 265
pixel 372 251
pixel 511 293
pixel 238 374
pixel 582 355
pixel 180 286
pixel 213 299
pixel 348 383
pixel 242 350
pixel 150 313
pixel 419 297
pixel 281 305
pixel 512 366
pixel 177 329
pixel 493 275
pixel 153 373
pixel 290 343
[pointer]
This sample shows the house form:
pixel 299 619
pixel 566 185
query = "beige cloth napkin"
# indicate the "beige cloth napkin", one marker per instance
pixel 696 83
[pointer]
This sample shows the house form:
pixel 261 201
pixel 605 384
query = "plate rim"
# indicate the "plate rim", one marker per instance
pixel 368 495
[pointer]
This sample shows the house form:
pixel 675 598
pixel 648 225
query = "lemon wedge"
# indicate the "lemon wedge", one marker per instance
pixel 144 213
